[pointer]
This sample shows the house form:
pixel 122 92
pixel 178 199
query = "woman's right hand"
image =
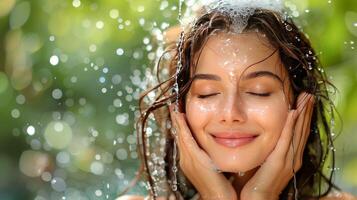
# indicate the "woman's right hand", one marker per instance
pixel 197 165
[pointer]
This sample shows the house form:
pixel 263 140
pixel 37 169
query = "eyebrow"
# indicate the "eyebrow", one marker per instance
pixel 206 77
pixel 251 75
pixel 263 73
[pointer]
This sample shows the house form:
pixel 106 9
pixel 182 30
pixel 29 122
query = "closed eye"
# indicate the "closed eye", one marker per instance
pixel 202 96
pixel 260 94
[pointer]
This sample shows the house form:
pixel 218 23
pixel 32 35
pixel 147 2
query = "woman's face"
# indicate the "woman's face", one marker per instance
pixel 239 99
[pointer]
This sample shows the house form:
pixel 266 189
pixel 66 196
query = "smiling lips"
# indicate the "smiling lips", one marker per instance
pixel 233 140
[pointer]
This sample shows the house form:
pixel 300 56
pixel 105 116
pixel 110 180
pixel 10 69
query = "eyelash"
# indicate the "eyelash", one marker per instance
pixel 205 96
pixel 256 94
pixel 260 94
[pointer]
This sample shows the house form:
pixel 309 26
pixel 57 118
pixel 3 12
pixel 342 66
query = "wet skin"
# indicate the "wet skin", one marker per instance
pixel 240 89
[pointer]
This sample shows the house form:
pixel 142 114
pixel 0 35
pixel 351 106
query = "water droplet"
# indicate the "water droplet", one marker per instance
pixel 46 176
pixel 114 13
pixel 355 24
pixel 76 3
pixel 105 70
pixel 102 79
pixel 74 79
pixel 116 79
pixel 127 22
pixel 15 113
pixel 141 9
pixel 131 139
pixel 174 169
pixel 97 168
pixel 57 93
pixel 134 155
pixel 58 134
pixel 164 5
pixel 63 157
pixel 58 184
pixel 295 13
pixel 142 21
pixel 93 48
pixel 119 51
pixel 99 24
pixel 52 38
pixel 54 60
pixel 35 144
pixel 121 154
pixel 20 99
pixel 117 103
pixel 146 40
pixel 98 193
pixel 30 130
pixel 288 27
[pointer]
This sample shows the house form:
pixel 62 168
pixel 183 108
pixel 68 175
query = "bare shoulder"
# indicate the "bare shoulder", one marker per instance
pixel 130 197
pixel 339 196
pixel 137 197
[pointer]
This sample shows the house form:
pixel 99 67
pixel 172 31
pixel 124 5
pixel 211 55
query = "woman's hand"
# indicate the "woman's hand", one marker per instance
pixel 274 174
pixel 197 165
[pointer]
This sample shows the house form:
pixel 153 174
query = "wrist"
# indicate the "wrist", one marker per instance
pixel 217 197
pixel 217 193
pixel 260 196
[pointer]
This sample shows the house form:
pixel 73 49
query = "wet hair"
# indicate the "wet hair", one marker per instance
pixel 305 73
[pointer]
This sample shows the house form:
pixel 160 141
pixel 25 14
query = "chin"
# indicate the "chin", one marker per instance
pixel 235 164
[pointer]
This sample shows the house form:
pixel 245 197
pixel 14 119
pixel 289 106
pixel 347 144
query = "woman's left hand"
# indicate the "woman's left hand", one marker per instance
pixel 274 174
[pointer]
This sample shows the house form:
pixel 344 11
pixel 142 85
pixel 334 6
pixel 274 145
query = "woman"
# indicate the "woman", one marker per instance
pixel 247 112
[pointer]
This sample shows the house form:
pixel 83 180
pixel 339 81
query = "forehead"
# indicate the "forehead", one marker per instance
pixel 238 53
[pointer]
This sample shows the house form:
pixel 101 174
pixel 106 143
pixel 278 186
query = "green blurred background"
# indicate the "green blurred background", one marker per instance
pixel 70 76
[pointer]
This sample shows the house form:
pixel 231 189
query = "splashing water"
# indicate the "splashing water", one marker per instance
pixel 240 10
pixel 179 61
pixel 176 90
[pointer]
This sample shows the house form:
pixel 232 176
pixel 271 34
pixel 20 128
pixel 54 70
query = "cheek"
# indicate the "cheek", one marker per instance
pixel 198 113
pixel 271 116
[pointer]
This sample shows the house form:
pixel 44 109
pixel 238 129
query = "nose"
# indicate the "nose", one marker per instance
pixel 232 110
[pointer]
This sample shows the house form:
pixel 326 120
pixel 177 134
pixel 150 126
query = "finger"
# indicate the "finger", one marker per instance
pixel 302 120
pixel 301 101
pixel 190 146
pixel 302 123
pixel 299 135
pixel 285 137
pixel 185 133
pixel 287 132
pixel 307 128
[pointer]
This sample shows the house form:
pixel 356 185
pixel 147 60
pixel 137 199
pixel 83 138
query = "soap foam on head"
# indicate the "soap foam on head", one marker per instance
pixel 240 10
